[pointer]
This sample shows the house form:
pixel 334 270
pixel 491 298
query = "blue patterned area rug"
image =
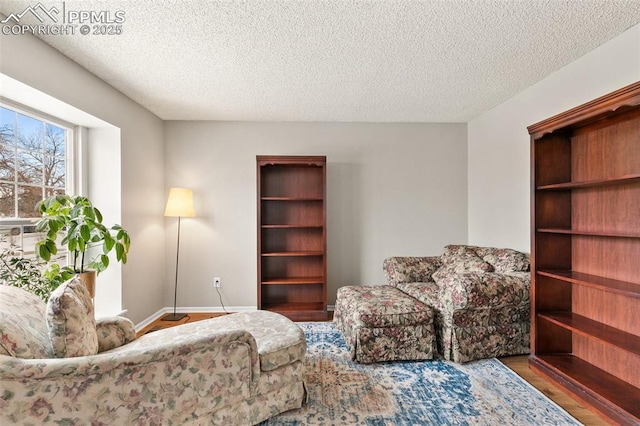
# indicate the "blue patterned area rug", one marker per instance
pixel 342 392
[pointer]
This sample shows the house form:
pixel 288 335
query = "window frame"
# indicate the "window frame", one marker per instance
pixel 71 161
pixel 73 168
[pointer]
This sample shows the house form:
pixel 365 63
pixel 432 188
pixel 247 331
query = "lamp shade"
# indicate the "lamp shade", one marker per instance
pixel 180 203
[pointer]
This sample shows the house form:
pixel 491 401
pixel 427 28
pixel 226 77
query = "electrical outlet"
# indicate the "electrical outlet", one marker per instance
pixel 216 281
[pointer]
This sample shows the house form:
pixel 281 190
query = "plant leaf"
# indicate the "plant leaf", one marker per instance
pixel 42 251
pixel 109 242
pixel 85 232
pixel 51 246
pixel 119 251
pixel 88 212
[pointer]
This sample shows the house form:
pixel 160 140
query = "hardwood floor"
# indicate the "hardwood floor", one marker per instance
pixel 158 324
pixel 518 364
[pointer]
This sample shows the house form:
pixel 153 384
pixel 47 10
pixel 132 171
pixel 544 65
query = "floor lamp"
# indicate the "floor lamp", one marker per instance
pixel 179 204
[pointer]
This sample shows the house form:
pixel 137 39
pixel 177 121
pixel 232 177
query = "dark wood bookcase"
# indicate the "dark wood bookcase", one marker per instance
pixel 585 256
pixel 292 248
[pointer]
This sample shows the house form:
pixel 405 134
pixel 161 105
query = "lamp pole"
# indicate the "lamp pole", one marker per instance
pixel 175 316
pixel 179 204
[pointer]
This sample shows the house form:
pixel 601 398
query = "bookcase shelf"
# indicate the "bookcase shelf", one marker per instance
pixel 293 253
pixel 292 236
pixel 293 280
pixel 632 178
pixel 585 253
pixel 615 398
pixel 590 233
pixel 606 284
pixel 291 226
pixel 291 199
pixel 595 330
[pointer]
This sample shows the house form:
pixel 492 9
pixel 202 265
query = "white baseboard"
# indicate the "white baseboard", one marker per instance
pixel 186 309
pixel 148 320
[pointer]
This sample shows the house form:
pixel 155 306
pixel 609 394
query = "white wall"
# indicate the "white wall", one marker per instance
pixel 139 178
pixel 392 189
pixel 499 143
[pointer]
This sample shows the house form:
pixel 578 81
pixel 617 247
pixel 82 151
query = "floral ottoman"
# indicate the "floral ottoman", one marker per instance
pixel 381 323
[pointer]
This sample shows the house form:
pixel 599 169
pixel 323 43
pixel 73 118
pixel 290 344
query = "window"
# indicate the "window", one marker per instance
pixel 35 160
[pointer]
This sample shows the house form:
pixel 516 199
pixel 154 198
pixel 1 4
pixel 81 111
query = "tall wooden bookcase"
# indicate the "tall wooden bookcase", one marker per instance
pixel 585 253
pixel 292 248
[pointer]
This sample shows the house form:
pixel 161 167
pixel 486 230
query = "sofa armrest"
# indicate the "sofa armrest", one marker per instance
pixel 483 289
pixel 190 370
pixel 410 269
pixel 114 332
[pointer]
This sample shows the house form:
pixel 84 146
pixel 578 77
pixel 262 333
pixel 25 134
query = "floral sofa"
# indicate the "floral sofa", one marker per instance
pixel 58 365
pixel 480 298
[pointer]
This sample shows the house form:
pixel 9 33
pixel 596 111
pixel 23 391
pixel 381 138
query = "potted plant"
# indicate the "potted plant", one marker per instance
pixel 79 223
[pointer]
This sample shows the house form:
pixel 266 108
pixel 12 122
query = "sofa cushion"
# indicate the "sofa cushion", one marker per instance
pixel 410 269
pixel 484 290
pixel 457 259
pixel 426 293
pixel 382 306
pixel 505 260
pixel 71 322
pixel 279 340
pixel 23 330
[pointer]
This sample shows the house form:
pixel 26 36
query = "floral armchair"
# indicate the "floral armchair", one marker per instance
pixel 480 296
pixel 58 365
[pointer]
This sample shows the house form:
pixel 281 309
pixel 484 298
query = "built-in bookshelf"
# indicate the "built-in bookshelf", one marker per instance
pixel 586 253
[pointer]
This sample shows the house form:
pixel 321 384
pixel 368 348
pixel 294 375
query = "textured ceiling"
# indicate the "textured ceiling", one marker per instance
pixel 334 60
